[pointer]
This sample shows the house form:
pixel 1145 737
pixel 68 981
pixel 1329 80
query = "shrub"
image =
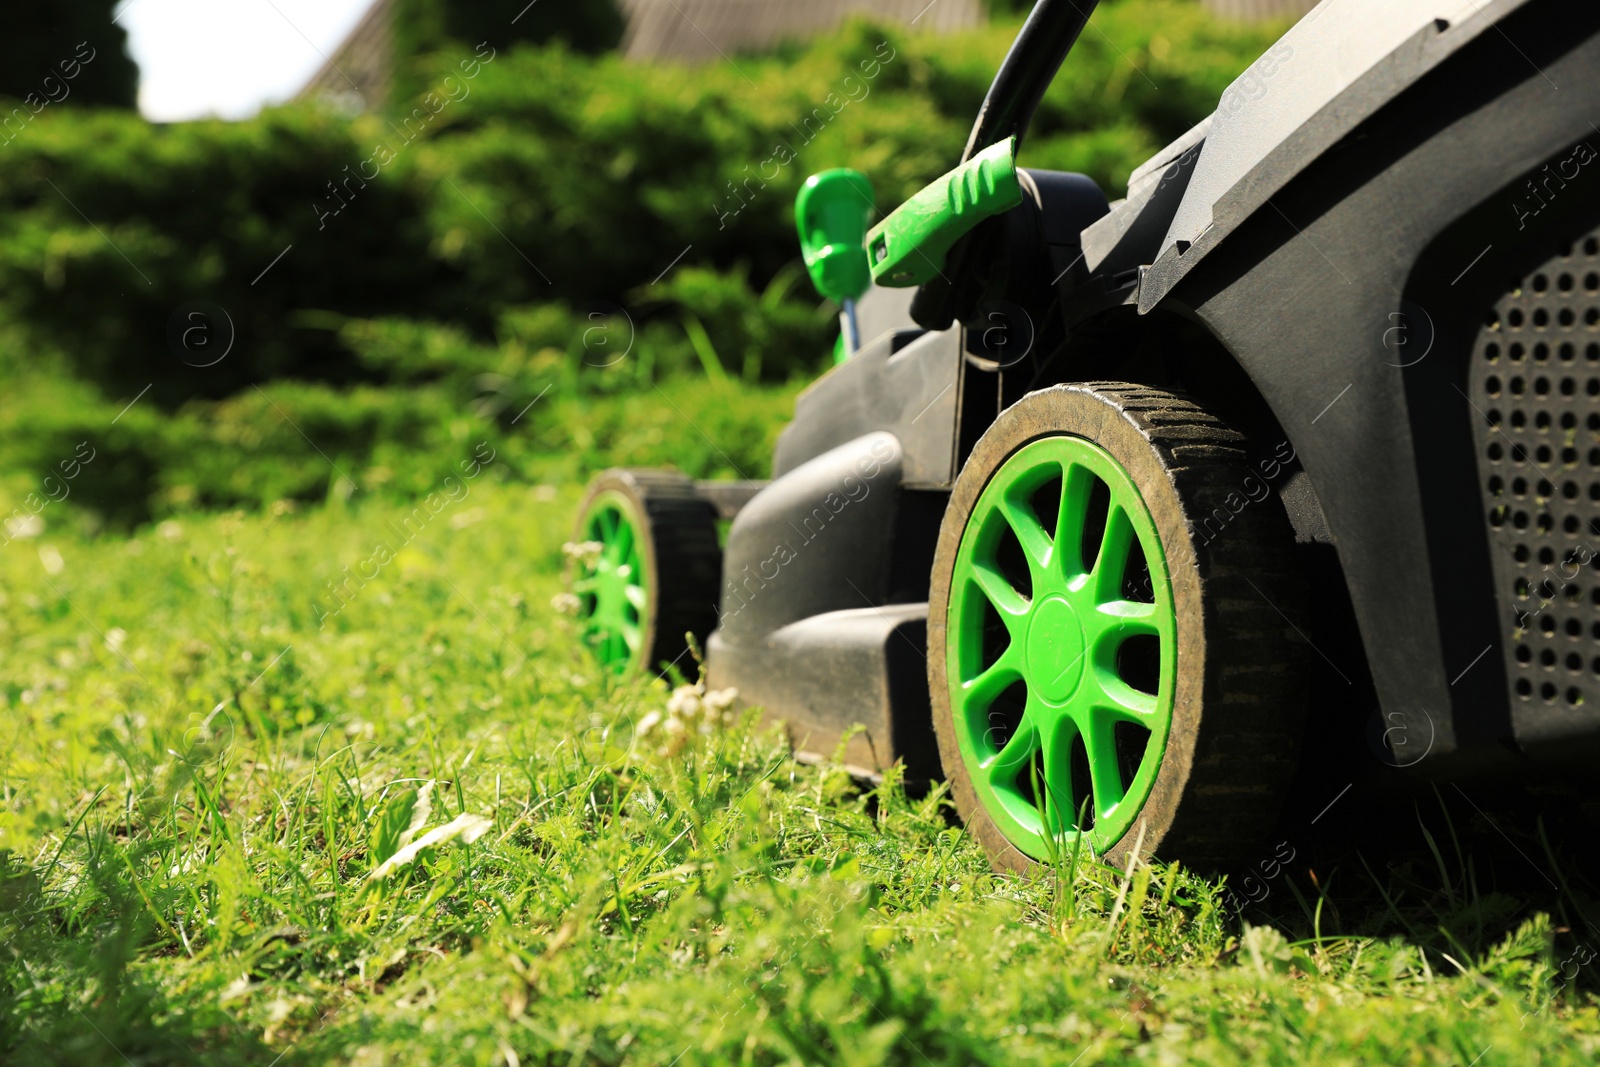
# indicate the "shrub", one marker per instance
pixel 109 226
pixel 636 165
pixel 754 335
pixel 554 179
pixel 600 234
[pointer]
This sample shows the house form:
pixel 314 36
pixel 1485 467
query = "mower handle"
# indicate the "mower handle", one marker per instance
pixel 924 242
pixel 1047 36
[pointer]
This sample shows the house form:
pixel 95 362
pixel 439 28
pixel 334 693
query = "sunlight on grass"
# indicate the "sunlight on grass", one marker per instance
pixel 424 833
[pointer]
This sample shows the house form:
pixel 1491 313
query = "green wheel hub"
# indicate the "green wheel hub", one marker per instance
pixel 612 587
pixel 1060 647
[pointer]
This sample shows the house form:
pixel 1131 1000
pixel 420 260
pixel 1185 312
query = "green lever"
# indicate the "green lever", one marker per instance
pixel 831 213
pixel 909 247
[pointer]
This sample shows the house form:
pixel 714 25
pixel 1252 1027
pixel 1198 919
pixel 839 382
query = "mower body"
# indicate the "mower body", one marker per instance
pixel 1378 260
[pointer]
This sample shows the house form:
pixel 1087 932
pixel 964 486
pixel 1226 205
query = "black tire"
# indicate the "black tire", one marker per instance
pixel 683 561
pixel 1238 705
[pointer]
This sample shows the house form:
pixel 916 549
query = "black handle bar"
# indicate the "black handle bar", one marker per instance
pixel 1038 52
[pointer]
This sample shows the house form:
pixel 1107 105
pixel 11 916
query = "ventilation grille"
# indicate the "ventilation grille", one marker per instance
pixel 1535 377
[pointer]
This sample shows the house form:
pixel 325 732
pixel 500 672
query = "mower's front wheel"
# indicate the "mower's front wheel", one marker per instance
pixel 647 570
pixel 1109 661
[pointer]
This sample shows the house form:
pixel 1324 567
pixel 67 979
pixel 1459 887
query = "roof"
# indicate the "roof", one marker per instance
pixel 1252 10
pixel 702 30
pixel 359 73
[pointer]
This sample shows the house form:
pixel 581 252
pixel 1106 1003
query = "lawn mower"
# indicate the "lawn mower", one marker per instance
pixel 1119 515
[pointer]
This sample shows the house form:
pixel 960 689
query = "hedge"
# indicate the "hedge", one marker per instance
pixel 390 279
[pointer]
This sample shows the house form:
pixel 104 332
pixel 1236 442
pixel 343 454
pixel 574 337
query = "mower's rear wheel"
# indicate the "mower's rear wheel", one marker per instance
pixel 1107 661
pixel 649 572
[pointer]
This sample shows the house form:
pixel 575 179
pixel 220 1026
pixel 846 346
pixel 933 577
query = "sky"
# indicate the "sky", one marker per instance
pixel 229 57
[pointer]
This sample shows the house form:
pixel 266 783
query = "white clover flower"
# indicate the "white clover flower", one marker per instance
pixel 690 712
pixel 719 705
pixel 677 736
pixel 566 604
pixel 584 552
pixel 685 702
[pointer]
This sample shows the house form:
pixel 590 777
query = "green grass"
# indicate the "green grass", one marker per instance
pixel 199 781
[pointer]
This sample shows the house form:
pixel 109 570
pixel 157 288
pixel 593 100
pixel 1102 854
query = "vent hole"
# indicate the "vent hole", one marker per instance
pixel 1046 505
pixel 1094 522
pixel 1005 718
pixel 1136 582
pixel 1013 562
pixel 1081 788
pixel 1130 740
pixel 1139 663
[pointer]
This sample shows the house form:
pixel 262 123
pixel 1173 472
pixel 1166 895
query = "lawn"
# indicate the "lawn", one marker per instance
pixel 336 784
pixel 330 780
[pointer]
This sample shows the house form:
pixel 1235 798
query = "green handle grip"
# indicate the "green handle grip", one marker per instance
pixel 909 247
pixel 831 213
